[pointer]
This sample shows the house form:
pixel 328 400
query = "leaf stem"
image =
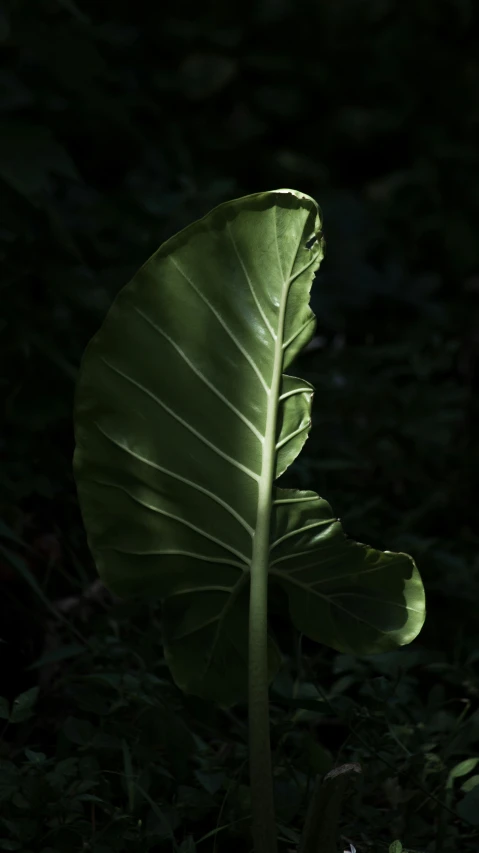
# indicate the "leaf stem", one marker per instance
pixel 261 774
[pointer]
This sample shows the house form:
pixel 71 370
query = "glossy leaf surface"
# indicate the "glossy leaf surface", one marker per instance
pixel 184 420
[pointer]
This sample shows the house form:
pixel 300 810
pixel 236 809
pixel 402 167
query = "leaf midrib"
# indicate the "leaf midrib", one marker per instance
pixel 261 539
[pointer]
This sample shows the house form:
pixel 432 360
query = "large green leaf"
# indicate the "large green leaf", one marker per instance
pixel 184 420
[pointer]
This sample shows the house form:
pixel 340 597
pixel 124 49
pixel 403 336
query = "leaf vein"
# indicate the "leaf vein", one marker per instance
pixel 226 506
pixel 250 284
pixel 184 423
pixel 308 390
pixel 291 435
pixel 175 552
pixel 383 601
pixel 296 334
pixel 328 521
pixel 227 329
pixel 201 376
pixel 327 598
pixel 177 518
pixel 278 501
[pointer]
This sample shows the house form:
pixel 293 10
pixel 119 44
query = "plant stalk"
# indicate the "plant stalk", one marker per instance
pixel 265 837
pixel 261 773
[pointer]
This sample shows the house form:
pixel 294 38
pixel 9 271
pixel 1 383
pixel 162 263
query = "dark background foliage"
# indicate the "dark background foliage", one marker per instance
pixel 121 123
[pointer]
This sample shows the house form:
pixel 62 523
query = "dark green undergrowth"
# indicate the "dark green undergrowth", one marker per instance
pixel 121 124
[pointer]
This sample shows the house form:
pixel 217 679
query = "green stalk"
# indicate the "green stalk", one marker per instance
pixel 261 773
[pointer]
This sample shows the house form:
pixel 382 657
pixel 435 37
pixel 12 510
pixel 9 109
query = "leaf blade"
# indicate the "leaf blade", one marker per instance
pixel 185 418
